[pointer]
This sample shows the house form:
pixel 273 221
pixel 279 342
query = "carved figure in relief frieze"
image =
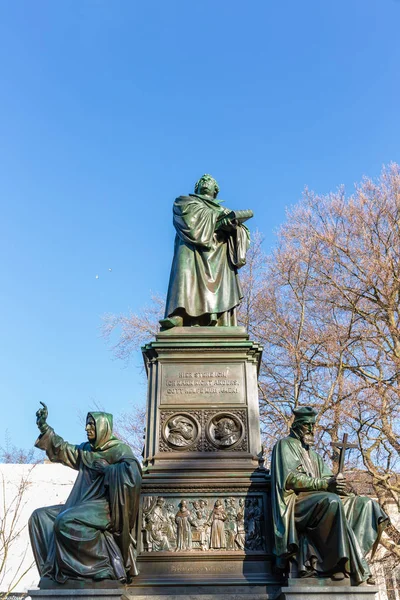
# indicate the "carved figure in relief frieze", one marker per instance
pixel 149 503
pixel 254 537
pixel 156 527
pixel 248 522
pixel 198 520
pixel 216 521
pixel 230 523
pixel 204 513
pixel 183 521
pixel 171 526
pixel 240 535
pixel 258 528
pixel 253 526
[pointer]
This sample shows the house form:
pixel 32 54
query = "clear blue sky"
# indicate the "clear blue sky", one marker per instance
pixel 110 109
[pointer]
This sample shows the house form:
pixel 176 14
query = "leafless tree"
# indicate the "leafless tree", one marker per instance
pixel 126 333
pixel 328 316
pixel 9 453
pixel 12 502
pixel 130 428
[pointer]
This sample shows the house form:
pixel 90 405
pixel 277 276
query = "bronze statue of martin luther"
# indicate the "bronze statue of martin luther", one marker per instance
pixel 210 246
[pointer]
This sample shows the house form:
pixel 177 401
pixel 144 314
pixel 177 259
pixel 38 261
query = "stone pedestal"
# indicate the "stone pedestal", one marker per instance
pixel 315 589
pixel 77 593
pixel 204 508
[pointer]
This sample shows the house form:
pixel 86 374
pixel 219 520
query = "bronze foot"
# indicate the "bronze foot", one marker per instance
pixel 171 322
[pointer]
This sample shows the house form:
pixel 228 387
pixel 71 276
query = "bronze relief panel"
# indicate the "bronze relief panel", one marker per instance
pixel 203 524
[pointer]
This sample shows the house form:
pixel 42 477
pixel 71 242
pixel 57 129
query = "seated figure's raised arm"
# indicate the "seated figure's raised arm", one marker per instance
pixel 55 447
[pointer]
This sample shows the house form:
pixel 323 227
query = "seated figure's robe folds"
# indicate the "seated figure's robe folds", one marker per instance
pixel 317 527
pixel 89 537
pixel 204 277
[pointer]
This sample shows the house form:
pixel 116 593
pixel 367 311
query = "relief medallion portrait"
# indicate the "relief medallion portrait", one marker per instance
pixel 181 431
pixel 225 430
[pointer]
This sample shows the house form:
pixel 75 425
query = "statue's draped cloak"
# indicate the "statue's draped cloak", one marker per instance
pixel 204 268
pixel 90 535
pixel 312 522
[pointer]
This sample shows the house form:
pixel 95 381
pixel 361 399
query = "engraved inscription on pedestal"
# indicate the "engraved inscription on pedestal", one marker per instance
pixel 204 524
pixel 205 568
pixel 203 383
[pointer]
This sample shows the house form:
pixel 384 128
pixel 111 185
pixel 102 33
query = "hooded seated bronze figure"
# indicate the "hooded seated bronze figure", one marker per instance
pixel 317 523
pixel 89 537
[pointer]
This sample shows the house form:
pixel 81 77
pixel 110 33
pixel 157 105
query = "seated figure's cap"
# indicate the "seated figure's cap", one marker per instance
pixel 304 414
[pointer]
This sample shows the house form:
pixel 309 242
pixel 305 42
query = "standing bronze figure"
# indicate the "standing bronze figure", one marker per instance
pixel 210 246
pixel 325 529
pixel 90 536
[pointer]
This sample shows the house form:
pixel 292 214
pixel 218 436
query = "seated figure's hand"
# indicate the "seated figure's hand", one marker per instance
pixel 100 465
pixel 41 418
pixel 337 485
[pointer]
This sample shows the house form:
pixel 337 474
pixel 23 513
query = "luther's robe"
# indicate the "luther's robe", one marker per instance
pixel 204 277
pixel 89 537
pixel 312 524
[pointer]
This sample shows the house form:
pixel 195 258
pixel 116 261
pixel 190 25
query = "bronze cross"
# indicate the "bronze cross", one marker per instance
pixel 343 445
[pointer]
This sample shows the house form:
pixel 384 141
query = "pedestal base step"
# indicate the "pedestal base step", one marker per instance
pixel 198 592
pixel 250 592
pixel 227 596
pixel 328 592
pixel 59 593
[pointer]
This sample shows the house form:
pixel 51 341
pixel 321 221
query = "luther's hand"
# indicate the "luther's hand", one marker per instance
pixel 337 485
pixel 41 418
pixel 226 224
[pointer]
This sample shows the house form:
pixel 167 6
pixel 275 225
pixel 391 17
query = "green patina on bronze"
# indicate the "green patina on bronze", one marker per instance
pixel 327 530
pixel 89 537
pixel 210 246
